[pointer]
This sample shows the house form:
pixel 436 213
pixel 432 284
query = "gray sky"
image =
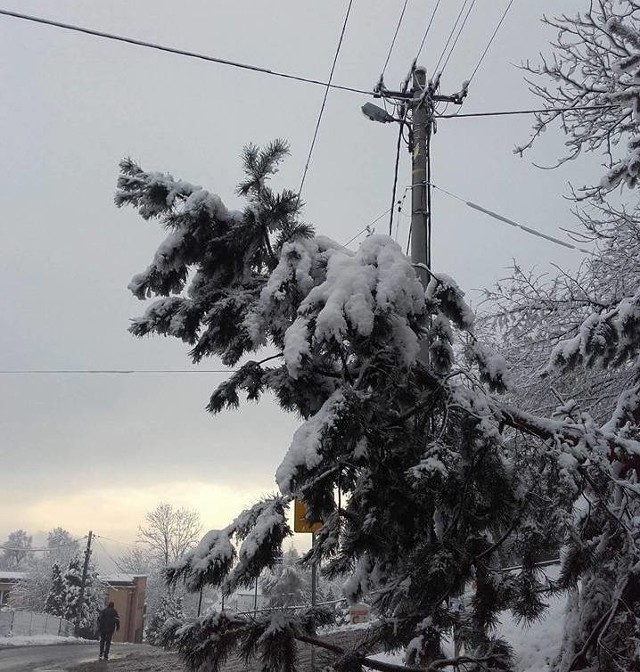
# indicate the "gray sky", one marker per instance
pixel 98 451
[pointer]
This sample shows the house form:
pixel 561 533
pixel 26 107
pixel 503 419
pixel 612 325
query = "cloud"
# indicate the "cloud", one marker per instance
pixel 115 512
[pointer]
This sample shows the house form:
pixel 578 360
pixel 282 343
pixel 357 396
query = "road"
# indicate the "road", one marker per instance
pixel 138 657
pixel 59 657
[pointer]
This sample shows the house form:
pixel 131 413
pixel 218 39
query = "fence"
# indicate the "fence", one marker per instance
pixel 30 623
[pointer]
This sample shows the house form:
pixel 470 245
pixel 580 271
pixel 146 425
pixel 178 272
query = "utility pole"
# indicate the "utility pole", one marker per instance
pixel 85 571
pixel 420 100
pixel 420 210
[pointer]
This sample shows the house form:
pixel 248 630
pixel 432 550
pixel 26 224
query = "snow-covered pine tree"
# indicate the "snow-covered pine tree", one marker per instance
pixel 85 613
pixel 170 610
pixel 288 583
pixel 56 599
pixel 432 492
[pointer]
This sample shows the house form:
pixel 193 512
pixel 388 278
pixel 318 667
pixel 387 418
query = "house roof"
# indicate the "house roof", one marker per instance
pixel 111 579
pixel 11 577
pixel 119 579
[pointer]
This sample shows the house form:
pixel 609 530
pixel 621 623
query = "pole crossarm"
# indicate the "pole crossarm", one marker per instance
pixel 456 98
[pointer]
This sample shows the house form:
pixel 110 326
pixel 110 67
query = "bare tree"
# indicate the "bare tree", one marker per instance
pixel 16 550
pixel 170 532
pixel 590 86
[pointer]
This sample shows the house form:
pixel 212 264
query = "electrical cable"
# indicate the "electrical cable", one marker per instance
pixel 324 99
pixel 495 32
pixel 275 73
pixel 393 41
pixel 106 552
pixel 366 228
pixel 426 32
pixel 506 113
pixel 455 42
pixel 117 541
pixel 179 52
pixel 395 178
pixel 511 222
pixel 444 49
pixel 42 549
pixel 38 372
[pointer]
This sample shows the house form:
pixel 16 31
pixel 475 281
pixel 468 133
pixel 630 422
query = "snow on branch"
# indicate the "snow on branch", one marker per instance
pixel 208 563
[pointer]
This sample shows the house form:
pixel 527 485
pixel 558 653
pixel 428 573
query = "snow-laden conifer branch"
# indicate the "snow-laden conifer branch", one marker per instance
pixel 433 492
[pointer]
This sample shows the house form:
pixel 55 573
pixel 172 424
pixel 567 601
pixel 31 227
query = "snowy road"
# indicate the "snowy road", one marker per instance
pixel 58 657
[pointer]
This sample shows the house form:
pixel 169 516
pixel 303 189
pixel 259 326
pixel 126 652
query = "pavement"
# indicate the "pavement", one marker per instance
pixel 139 657
pixel 62 657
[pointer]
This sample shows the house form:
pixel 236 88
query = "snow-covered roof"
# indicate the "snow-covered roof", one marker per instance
pixel 119 579
pixel 11 576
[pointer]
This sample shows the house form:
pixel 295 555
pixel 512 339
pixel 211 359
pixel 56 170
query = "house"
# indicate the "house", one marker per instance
pixel 126 591
pixel 7 581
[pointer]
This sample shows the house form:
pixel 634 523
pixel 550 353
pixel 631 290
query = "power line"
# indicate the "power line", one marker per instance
pixel 395 178
pixel 464 4
pixel 366 228
pixel 42 372
pixel 492 38
pixel 511 222
pixel 117 541
pixel 42 549
pixel 426 32
pixel 180 52
pixel 106 552
pixel 455 42
pixel 324 99
pixel 505 113
pixel 393 41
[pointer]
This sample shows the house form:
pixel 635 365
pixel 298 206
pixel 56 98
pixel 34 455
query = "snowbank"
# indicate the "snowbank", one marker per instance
pixel 40 640
pixel 536 645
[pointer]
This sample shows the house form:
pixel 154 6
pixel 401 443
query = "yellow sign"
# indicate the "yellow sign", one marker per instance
pixel 300 522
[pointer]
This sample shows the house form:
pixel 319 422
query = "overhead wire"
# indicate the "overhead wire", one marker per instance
pixel 393 40
pixel 426 32
pixel 41 549
pixel 395 177
pixel 324 99
pixel 491 39
pixel 106 552
pixel 512 222
pixel 446 45
pixel 506 113
pixel 331 85
pixel 366 228
pixel 455 42
pixel 117 541
pixel 179 52
pixel 38 372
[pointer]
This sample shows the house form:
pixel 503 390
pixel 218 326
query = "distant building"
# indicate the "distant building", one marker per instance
pixel 126 591
pixel 7 581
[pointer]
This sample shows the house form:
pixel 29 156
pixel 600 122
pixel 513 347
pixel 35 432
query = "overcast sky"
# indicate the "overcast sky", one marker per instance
pixel 97 451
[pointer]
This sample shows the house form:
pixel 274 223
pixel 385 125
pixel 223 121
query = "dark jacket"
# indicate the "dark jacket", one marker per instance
pixel 108 620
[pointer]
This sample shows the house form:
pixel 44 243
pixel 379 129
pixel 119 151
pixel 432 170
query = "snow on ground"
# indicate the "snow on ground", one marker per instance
pixel 39 640
pixel 536 644
pixel 539 643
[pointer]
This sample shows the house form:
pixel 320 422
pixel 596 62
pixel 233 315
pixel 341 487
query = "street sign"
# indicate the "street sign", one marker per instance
pixel 300 522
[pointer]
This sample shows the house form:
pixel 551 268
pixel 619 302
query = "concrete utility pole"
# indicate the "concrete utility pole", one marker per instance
pixel 420 210
pixel 85 571
pixel 420 100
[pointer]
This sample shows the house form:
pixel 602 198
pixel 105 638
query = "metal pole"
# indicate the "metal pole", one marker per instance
pixel 200 602
pixel 255 598
pixel 314 587
pixel 85 571
pixel 420 252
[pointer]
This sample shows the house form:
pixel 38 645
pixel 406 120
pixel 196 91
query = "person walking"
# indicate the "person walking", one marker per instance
pixel 108 623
